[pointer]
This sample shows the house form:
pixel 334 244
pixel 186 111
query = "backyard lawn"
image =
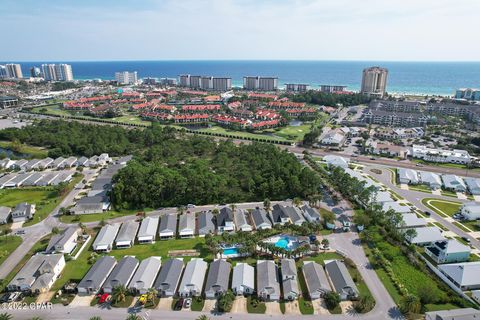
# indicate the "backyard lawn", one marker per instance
pixel 442 207
pixel 255 306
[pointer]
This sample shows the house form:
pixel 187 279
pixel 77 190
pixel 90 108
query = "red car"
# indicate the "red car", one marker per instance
pixel 103 298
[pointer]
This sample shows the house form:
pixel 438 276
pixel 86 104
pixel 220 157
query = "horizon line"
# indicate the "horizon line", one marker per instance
pixel 245 60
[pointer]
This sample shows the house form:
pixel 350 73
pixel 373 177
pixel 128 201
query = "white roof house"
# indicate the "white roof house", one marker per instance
pixel 268 287
pixel 382 197
pixel 473 185
pixel 334 138
pixel 411 220
pixel 464 274
pixel 65 242
pixel 454 314
pixel 186 225
pixel 427 235
pixel 439 155
pixel 395 206
pixel 336 161
pixel 243 280
pixel 240 218
pixel 168 226
pixel 126 235
pixel 431 179
pixel 453 182
pixel 471 211
pixel 407 176
pixel 105 238
pixel 289 279
pixel 145 275
pixel 4 214
pixel 357 175
pixel 193 278
pixel 148 230
pixel 315 279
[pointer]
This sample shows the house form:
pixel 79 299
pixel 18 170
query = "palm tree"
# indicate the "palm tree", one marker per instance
pixel 95 318
pixel 215 211
pixel 180 209
pixel 325 243
pixel 203 317
pixel 410 304
pixel 6 316
pixel 267 205
pixel 133 316
pixel 82 226
pixel 297 201
pixel 119 294
pixel 151 295
pixel 36 318
pixel 233 207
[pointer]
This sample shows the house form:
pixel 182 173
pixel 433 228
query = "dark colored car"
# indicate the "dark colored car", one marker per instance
pixel 428 213
pixel 466 239
pixel 5 298
pixel 178 305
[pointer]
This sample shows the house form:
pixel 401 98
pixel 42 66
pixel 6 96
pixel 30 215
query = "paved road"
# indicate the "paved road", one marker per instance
pixel 415 197
pixel 39 230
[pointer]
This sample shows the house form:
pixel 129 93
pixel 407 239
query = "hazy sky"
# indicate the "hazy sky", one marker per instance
pixel 240 29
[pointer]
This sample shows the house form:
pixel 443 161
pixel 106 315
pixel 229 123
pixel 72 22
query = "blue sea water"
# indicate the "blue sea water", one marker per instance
pixel 404 77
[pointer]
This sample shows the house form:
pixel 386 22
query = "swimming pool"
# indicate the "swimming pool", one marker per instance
pixel 286 242
pixel 282 243
pixel 230 252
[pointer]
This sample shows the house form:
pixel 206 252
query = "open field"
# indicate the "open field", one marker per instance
pixel 294 133
pixel 96 216
pixel 133 119
pixel 53 109
pixel 34 152
pixel 217 129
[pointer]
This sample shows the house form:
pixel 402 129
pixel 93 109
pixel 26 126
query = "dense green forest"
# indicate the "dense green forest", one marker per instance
pixel 171 168
pixel 329 99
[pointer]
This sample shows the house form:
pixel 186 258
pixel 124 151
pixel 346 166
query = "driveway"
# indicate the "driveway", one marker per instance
pixel 239 305
pixel 273 308
pixel 81 301
pixel 319 307
pixel 210 305
pixel 165 303
pixel 291 307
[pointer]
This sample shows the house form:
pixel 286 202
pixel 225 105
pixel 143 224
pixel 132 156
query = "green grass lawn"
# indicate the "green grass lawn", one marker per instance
pixel 304 303
pixel 421 188
pixel 442 207
pixel 294 133
pixel 124 304
pixel 255 306
pixel 161 248
pixel 8 244
pixel 320 258
pixel 197 303
pixel 461 226
pixel 34 152
pixel 96 216
pixel 217 129
pixel 53 110
pixel 473 225
pixel 133 119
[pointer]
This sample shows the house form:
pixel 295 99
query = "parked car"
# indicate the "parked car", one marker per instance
pixel 178 305
pixel 14 297
pixel 190 206
pixel 187 303
pixel 467 240
pixel 428 213
pixel 5 297
pixel 103 298
pixel 419 165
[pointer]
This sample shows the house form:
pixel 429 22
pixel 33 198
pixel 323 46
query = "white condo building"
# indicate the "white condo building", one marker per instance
pixel 439 155
pixel 11 71
pixel 260 83
pixel 57 72
pixel 126 77
pixel 374 81
pixel 205 82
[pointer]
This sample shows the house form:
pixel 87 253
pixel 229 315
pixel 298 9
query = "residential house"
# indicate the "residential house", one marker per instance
pixel 121 274
pixel 168 227
pixel 411 220
pixel 145 275
pixel 295 214
pixel 186 225
pixel 336 161
pixel 382 197
pixel 57 163
pixel 217 279
pixel 470 211
pixel 395 206
pixel 473 185
pixel 464 275
pixel 5 214
pixel 454 183
pixel 193 278
pixel 289 279
pixel 225 221
pixel 279 215
pixel 206 223
pixel 126 235
pixel 243 280
pixel 426 235
pixel 148 230
pixel 476 295
pixel 19 164
pixel 431 179
pixel 260 219
pixel 311 214
pixel 268 287
pixel 315 280
pixel 407 176
pixel 23 212
pixel 240 218
pixel 448 251
pixel 439 155
pixel 454 314
pixel 169 277
pixel 38 274
pixel 341 280
pixel 45 163
pixel 334 138
pixel 82 161
pixel 105 238
pixel 69 162
pixel 92 282
pixel 65 242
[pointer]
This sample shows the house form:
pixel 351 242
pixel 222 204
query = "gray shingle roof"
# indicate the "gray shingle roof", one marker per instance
pixel 148 227
pixel 311 212
pixel 145 275
pixel 340 277
pixel 127 232
pixel 122 273
pixel 218 277
pixel 168 223
pixel 106 236
pixel 98 273
pixel 267 277
pixel 289 269
pixel 225 215
pixel 205 223
pixel 315 278
pixel 169 275
pixel 243 275
pixel 186 222
pixel 193 276
pixel 63 238
pixel 259 217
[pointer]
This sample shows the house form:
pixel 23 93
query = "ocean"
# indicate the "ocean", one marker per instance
pixel 441 78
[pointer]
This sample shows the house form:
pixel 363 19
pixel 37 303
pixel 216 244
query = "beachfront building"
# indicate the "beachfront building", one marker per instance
pixel 126 77
pixel 57 72
pixel 374 81
pixel 260 83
